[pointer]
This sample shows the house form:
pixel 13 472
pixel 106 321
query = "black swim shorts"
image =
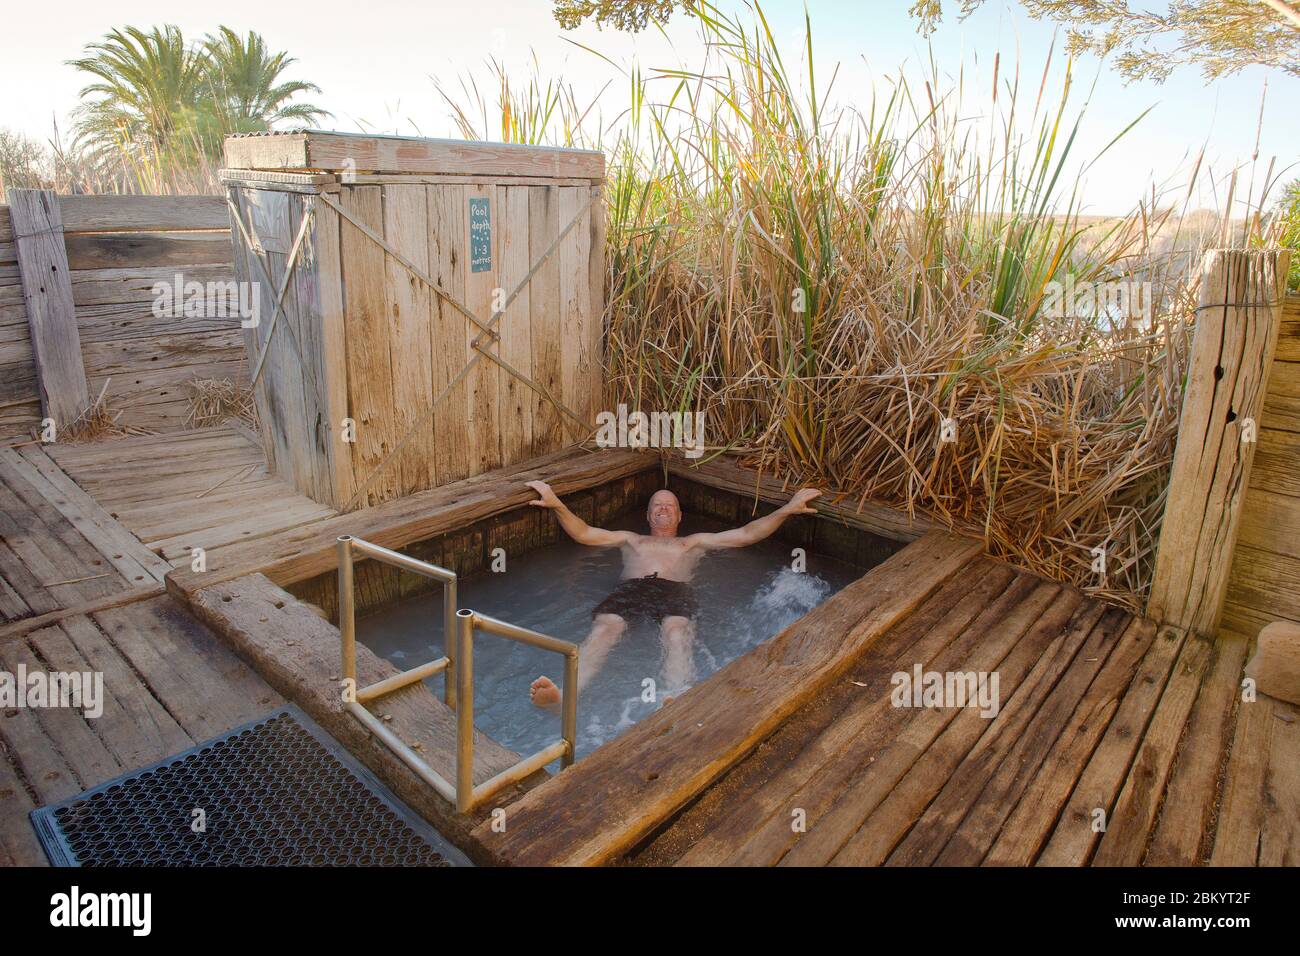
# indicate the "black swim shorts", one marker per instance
pixel 649 597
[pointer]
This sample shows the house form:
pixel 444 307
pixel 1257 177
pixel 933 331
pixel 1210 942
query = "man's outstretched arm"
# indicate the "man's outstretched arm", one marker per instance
pixel 573 526
pixel 759 528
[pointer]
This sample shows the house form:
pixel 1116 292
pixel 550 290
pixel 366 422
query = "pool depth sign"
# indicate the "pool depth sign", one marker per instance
pixel 480 235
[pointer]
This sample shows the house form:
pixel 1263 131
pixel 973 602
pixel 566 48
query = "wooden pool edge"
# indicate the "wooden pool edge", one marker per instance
pixel 241 597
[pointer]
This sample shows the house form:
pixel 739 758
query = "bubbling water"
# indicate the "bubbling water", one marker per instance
pixel 745 596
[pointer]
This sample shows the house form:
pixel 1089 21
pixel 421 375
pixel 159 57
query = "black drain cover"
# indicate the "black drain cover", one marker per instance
pixel 276 792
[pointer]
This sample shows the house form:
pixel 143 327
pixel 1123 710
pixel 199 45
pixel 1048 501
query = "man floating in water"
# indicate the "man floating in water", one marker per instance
pixel 657 569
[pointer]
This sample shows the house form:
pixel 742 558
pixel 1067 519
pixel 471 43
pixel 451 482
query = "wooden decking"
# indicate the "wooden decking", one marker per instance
pixel 793 754
pixel 1112 745
pixel 207 488
pixel 168 684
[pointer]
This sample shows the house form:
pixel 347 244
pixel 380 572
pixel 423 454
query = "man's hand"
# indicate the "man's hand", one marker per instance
pixel 798 505
pixel 547 499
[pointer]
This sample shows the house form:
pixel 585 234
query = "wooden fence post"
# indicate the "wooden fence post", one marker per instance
pixel 1236 334
pixel 47 294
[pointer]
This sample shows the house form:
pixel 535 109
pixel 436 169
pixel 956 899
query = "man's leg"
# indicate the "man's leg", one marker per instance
pixel 678 636
pixel 606 629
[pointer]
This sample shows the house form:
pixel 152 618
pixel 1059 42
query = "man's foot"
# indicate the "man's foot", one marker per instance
pixel 544 693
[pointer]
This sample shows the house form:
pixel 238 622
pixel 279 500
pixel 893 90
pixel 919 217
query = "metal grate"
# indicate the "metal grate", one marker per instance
pixel 278 791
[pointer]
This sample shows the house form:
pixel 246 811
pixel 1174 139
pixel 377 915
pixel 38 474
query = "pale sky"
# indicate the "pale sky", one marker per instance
pixel 375 62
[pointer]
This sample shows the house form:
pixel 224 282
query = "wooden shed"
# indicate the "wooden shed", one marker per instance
pixel 440 305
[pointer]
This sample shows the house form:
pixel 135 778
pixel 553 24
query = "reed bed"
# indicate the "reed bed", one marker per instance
pixel 833 290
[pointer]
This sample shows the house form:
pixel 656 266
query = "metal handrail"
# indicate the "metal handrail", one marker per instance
pixel 469 796
pixel 460 627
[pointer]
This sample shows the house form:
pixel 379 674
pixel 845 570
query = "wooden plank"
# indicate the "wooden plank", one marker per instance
pixel 1269 522
pixel 408 333
pixel 758 787
pixel 135 286
pixel 305 552
pixel 1265 582
pixel 255 522
pixel 64 562
pixel 1274 467
pixel 204 686
pixel 301 298
pixel 18 843
pixel 68 728
pixel 1181 835
pixel 370 380
pixel 196 351
pixel 483 383
pixel 135 726
pixel 576 358
pixel 868 515
pixel 129 250
pixel 297 652
pixel 135 562
pixel 1031 821
pixel 926 806
pixel 436 179
pixel 268 179
pixel 288 368
pixel 1130 823
pixel 1245 783
pixel 843 827
pixel 545 316
pixel 989 806
pixel 320 296
pixel 1073 839
pixel 516 408
pixel 24 592
pixel 447 255
pixel 357 152
pixel 1279 840
pixel 142 213
pixel 1288 340
pixel 1236 336
pixel 34 754
pixel 604 805
pixel 596 321
pixel 1282 400
pixel 274 441
pixel 47 297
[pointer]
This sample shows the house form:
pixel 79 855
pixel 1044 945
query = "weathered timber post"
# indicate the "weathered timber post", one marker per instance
pixel 47 295
pixel 1236 335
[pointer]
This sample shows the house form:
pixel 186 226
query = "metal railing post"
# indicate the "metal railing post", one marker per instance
pixel 347 611
pixel 569 697
pixel 464 675
pixel 457 668
pixel 450 638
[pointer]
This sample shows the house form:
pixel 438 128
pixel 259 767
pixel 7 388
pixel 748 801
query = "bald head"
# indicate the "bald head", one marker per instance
pixel 664 513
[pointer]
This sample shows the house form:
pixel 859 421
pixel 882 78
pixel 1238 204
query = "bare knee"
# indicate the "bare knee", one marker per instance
pixel 607 627
pixel 677 630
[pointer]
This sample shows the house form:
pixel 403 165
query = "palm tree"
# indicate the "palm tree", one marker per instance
pixel 160 106
pixel 244 82
pixel 148 86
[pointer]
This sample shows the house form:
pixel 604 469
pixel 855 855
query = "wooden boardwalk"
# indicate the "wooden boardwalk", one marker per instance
pixel 1110 745
pixel 169 683
pixel 208 488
